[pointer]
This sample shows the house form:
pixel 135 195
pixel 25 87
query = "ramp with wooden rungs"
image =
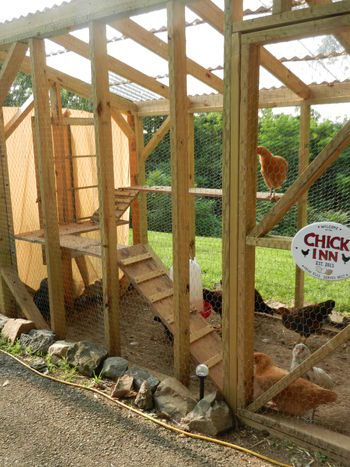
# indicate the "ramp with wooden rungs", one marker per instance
pixel 123 197
pixel 149 276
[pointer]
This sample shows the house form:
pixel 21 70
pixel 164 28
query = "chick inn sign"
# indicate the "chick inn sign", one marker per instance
pixel 322 250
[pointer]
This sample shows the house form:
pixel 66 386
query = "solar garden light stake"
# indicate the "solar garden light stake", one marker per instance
pixel 202 372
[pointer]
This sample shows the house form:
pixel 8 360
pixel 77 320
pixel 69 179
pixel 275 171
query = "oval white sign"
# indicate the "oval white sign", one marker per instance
pixel 322 250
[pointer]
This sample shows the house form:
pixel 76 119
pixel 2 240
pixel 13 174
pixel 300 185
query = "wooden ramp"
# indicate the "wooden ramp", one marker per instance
pixel 123 197
pixel 149 276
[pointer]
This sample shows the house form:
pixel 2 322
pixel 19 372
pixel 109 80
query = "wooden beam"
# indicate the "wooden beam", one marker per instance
pixel 214 16
pixel 116 66
pixel 329 347
pixel 19 116
pixel 122 123
pixel 133 164
pixel 271 241
pixel 47 186
pixel 75 85
pixel 105 174
pixel 314 171
pixel 141 180
pixel 7 244
pixel 70 16
pixel 156 139
pixel 147 39
pixel 279 6
pixel 304 155
pixel 191 184
pixel 180 199
pixel 10 68
pixel 23 297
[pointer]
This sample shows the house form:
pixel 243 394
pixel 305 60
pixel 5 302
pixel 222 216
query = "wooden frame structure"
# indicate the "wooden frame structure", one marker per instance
pixel 238 97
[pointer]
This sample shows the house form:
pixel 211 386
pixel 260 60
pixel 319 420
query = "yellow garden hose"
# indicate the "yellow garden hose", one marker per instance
pixel 148 417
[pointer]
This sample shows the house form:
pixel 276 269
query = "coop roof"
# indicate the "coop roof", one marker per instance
pixel 137 45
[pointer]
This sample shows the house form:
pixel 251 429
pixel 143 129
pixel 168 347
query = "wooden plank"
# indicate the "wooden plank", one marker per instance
pixel 23 297
pixel 180 180
pixel 10 68
pixel 135 259
pixel 313 172
pixel 7 244
pixel 142 224
pixel 191 184
pixel 297 18
pixel 105 175
pixel 271 241
pixel 47 186
pixel 214 16
pixel 19 116
pixel 156 138
pixel 304 155
pixel 76 121
pixel 148 276
pixel 313 437
pixel 157 297
pixel 123 124
pixel 213 360
pixel 131 29
pixel 70 16
pixel 204 331
pixel 116 66
pixel 75 85
pixel 329 347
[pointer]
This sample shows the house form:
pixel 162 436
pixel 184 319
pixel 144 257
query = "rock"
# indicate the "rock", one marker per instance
pixel 13 328
pixel 114 367
pixel 39 364
pixel 38 340
pixel 140 376
pixel 123 387
pixel 86 357
pixel 3 320
pixel 144 398
pixel 173 399
pixel 210 416
pixel 59 350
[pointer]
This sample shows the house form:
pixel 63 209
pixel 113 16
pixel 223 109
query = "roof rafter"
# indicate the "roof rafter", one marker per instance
pixel 10 67
pixel 147 39
pixel 214 16
pixel 74 84
pixel 82 48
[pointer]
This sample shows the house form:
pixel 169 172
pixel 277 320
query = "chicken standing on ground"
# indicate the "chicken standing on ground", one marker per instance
pixel 307 320
pixel 273 169
pixel 299 397
pixel 316 375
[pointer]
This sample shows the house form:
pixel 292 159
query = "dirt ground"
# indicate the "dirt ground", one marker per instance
pixel 145 342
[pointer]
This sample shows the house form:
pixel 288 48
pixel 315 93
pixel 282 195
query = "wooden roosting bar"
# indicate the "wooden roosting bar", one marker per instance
pixel 230 361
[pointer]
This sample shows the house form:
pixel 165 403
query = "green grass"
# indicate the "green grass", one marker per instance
pixel 275 271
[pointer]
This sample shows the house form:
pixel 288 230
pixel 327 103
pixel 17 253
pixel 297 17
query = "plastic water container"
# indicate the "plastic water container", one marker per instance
pixel 196 286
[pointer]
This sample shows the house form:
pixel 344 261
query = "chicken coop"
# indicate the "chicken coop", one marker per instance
pixel 162 136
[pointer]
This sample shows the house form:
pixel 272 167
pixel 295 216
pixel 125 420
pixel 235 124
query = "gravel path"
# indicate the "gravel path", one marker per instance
pixel 43 423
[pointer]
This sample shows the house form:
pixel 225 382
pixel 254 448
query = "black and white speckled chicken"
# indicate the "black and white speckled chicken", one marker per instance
pixel 41 299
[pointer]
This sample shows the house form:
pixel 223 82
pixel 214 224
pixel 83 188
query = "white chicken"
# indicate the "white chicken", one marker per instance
pixel 315 375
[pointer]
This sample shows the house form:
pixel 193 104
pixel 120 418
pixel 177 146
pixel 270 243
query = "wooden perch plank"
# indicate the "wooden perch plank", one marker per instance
pixel 75 85
pixel 314 171
pixel 116 66
pixel 19 116
pixel 147 39
pixel 214 16
pixel 23 298
pixel 156 139
pixel 303 368
pixel 10 68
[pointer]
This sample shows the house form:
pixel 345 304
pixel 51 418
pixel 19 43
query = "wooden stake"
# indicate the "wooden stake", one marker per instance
pixel 47 186
pixel 105 173
pixel 180 180
pixel 304 152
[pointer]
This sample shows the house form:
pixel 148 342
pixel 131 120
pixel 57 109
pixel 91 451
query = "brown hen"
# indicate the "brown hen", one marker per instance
pixel 273 169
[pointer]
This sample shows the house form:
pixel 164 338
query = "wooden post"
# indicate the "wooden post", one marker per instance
pixel 7 242
pixel 141 235
pixel 180 187
pixel 304 153
pixel 105 173
pixel 135 209
pixel 279 6
pixel 47 186
pixel 192 200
